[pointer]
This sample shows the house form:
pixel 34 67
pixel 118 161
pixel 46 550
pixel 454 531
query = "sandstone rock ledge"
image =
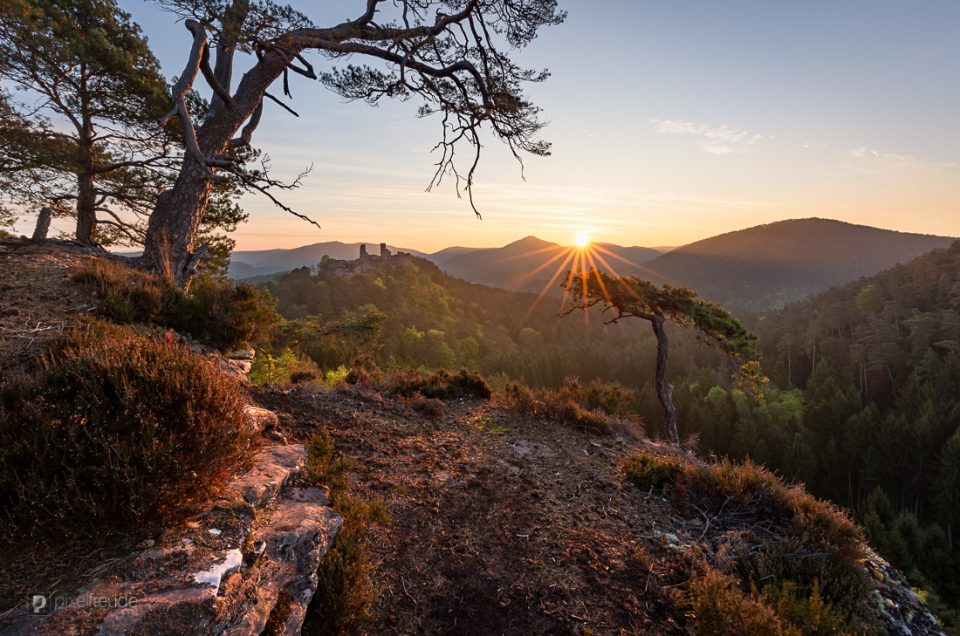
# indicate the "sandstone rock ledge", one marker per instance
pixel 246 566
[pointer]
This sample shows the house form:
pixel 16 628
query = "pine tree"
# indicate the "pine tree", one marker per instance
pixel 84 64
pixel 633 297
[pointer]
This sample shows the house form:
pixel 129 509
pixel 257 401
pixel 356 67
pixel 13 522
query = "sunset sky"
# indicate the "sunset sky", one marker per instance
pixel 671 121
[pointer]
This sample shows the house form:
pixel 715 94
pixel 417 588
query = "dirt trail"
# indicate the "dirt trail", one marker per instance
pixel 501 525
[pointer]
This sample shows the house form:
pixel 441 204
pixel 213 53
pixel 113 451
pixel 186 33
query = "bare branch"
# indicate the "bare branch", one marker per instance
pixel 247 133
pixel 282 105
pixel 179 92
pixel 211 78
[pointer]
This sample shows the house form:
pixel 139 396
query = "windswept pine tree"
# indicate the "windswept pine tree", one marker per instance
pixel 452 56
pixel 633 297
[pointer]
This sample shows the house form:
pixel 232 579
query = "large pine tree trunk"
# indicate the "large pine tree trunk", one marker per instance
pixel 664 388
pixel 172 230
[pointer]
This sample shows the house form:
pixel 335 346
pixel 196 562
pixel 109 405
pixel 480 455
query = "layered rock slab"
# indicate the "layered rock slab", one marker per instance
pixel 248 561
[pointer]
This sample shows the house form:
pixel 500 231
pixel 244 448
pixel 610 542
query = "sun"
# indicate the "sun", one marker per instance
pixel 581 240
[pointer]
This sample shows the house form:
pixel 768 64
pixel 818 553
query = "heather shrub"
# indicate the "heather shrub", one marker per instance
pixel 128 294
pixel 115 431
pixel 361 376
pixel 647 471
pixel 810 611
pixel 520 398
pixel 217 312
pixel 431 407
pixel 796 553
pixel 302 377
pixel 611 398
pixel 553 405
pixel 722 609
pixel 441 384
pixel 719 604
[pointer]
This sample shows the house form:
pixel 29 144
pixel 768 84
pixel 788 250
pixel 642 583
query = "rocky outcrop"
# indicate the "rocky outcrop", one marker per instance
pixel 237 362
pixel 248 562
pixel 898 608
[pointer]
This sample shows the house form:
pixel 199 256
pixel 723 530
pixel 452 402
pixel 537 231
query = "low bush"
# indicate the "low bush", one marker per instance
pixel 406 383
pixel 431 407
pixel 113 432
pixel 611 398
pixel 333 377
pixel 647 471
pixel 722 609
pixel 441 384
pixel 719 605
pixel 787 550
pixel 548 403
pixel 216 312
pixel 363 377
pixel 128 294
pixel 302 377
pixel 284 368
pixel 224 314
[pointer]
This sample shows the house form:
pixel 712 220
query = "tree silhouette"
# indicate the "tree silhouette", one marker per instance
pixel 633 297
pixel 449 53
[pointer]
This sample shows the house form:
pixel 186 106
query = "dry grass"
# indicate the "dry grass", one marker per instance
pixel 560 405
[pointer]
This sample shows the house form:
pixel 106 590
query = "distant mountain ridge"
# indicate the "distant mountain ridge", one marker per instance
pixel 748 271
pixel 768 266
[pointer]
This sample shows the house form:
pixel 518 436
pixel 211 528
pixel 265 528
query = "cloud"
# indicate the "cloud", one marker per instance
pixel 897 160
pixel 716 140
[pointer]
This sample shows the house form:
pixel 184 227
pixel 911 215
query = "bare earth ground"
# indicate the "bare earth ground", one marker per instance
pixel 500 525
pixel 37 299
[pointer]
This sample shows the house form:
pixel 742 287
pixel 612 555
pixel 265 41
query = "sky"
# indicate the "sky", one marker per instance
pixel 671 121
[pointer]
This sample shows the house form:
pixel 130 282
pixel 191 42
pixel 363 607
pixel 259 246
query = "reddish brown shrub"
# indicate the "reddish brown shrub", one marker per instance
pixel 115 431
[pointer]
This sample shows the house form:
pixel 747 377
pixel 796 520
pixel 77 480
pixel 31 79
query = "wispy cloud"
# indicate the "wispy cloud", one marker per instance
pixel 897 160
pixel 716 140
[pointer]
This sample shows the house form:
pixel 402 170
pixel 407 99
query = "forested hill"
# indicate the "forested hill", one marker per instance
pixel 250 264
pixel 768 266
pixel 879 364
pixel 431 318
